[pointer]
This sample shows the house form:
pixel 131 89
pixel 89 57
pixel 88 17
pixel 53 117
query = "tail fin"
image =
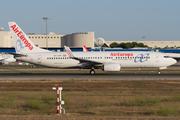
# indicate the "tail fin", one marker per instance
pixel 85 48
pixel 22 43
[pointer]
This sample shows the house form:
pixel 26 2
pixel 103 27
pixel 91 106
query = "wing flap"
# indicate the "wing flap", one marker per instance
pixel 83 62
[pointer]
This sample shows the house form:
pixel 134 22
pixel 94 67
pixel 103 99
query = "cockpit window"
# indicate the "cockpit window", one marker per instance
pixel 166 56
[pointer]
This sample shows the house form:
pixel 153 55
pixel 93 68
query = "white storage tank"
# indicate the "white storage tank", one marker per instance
pixel 79 39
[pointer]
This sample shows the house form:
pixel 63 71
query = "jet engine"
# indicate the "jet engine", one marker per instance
pixel 111 67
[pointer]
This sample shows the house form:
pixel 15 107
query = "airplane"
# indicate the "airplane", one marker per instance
pixel 107 61
pixel 6 59
pixel 85 48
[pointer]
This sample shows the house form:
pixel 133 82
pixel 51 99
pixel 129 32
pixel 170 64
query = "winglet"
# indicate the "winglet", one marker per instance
pixel 85 48
pixel 68 51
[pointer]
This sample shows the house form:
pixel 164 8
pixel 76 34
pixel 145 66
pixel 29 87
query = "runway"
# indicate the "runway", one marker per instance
pixel 86 76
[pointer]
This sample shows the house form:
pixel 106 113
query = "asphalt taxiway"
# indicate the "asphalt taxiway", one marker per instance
pixel 86 76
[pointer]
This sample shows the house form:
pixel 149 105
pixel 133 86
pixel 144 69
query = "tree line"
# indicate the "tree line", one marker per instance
pixel 135 44
pixel 127 45
pixel 166 48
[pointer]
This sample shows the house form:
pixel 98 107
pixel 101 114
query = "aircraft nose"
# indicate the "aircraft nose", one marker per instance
pixel 173 61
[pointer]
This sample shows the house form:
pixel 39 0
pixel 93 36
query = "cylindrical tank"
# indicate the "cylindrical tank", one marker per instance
pixel 80 39
pixel 64 41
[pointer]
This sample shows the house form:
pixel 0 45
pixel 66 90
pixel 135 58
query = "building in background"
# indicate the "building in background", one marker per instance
pixel 5 38
pixel 54 40
pixel 74 40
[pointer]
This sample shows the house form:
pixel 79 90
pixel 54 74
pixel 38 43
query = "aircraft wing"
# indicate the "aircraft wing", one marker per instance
pixel 84 62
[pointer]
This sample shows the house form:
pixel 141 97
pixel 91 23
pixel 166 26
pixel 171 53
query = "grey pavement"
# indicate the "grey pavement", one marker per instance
pixel 86 76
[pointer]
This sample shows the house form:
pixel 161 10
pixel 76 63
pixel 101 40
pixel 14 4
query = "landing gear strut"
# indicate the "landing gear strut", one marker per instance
pixel 92 72
pixel 159 72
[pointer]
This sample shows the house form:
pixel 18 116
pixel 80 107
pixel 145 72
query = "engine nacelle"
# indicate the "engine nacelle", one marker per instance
pixel 111 67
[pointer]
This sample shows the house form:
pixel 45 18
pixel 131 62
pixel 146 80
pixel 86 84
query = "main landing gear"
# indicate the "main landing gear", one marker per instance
pixel 92 72
pixel 158 72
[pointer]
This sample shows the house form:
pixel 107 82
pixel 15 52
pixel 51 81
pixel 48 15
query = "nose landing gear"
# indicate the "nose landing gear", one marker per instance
pixel 158 72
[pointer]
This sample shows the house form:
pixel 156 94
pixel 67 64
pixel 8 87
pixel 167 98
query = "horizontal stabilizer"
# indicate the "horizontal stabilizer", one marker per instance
pixel 18 55
pixel 2 59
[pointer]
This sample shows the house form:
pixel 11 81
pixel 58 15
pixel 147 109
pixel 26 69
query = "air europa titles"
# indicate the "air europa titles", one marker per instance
pixel 20 35
pixel 121 54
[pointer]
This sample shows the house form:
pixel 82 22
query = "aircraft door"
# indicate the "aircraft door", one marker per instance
pixel 157 58
pixel 39 58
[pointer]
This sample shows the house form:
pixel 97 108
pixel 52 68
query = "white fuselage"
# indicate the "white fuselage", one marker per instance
pixel 125 59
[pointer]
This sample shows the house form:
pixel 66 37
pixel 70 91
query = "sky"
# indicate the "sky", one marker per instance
pixel 112 20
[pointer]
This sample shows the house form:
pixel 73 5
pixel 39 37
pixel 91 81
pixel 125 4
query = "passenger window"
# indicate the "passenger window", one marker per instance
pixel 166 56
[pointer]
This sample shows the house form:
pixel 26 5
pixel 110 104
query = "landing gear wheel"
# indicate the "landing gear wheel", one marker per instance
pixel 159 72
pixel 92 72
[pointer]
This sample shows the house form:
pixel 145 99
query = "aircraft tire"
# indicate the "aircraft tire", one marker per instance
pixel 92 72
